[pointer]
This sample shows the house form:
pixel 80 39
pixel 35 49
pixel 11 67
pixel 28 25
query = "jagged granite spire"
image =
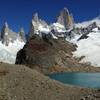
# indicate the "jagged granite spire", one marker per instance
pixel 37 25
pixel 33 25
pixel 21 35
pixel 35 17
pixel 65 18
pixel 7 35
pixel 6 24
pixel 4 33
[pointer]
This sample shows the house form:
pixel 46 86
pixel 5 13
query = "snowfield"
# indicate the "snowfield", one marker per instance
pixel 8 53
pixel 58 27
pixel 90 48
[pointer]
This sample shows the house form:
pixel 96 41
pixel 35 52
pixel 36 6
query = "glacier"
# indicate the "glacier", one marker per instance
pixel 89 48
pixel 8 53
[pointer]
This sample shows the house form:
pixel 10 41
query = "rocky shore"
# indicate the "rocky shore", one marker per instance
pixel 58 69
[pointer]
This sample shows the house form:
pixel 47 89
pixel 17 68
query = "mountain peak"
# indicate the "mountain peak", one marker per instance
pixel 22 29
pixel 35 17
pixel 65 18
pixel 6 24
pixel 21 35
pixel 65 9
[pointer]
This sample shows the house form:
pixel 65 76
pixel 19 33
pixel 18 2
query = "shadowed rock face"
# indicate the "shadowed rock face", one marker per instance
pixel 45 53
pixel 50 55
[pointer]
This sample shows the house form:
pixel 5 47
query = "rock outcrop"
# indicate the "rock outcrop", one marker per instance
pixel 45 52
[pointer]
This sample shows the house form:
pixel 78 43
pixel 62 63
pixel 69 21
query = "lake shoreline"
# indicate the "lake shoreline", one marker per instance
pixel 95 95
pixel 58 69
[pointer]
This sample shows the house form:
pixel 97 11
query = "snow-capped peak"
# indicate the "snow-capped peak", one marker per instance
pixel 35 17
pixel 6 24
pixel 21 35
pixel 40 26
pixel 10 44
pixel 59 28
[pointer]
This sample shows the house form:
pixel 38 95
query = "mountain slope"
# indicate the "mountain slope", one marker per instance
pixel 22 83
pixel 89 48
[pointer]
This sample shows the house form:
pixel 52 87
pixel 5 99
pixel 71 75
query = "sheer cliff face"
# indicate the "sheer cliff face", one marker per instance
pixel 65 18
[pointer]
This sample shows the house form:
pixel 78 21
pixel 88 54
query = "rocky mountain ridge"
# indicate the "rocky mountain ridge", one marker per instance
pixel 64 29
pixel 8 36
pixel 51 46
pixel 60 28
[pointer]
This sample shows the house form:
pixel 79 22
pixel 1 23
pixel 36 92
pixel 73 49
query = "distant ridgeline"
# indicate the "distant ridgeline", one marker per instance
pixel 64 27
pixel 8 36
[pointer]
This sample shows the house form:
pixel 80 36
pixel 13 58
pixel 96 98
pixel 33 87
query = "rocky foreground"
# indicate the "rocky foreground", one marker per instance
pixel 22 83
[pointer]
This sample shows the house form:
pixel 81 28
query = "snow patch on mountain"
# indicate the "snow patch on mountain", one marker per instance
pixel 39 27
pixel 87 23
pixel 89 48
pixel 43 29
pixel 54 37
pixel 58 27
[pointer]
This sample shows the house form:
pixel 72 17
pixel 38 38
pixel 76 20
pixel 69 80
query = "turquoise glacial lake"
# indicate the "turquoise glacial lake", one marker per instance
pixel 90 80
